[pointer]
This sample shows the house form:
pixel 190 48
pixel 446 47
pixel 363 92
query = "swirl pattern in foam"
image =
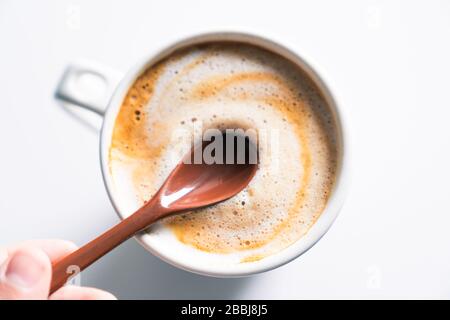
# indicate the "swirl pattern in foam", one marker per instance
pixel 231 85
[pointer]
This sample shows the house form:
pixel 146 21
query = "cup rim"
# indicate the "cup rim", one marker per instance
pixel 340 188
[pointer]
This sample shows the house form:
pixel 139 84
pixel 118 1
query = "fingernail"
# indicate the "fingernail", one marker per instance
pixel 24 270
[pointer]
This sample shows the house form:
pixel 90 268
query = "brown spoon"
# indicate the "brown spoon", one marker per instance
pixel 188 187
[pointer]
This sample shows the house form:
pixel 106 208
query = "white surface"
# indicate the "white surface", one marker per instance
pixel 390 62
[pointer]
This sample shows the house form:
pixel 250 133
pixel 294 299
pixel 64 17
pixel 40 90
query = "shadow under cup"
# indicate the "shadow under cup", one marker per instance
pixel 161 241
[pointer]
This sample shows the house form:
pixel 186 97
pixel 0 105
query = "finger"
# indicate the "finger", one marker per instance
pixel 25 275
pixel 81 293
pixel 55 249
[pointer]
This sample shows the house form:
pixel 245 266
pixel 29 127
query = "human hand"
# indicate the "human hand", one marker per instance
pixel 26 272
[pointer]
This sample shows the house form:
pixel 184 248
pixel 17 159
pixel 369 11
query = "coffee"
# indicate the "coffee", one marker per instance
pixel 230 85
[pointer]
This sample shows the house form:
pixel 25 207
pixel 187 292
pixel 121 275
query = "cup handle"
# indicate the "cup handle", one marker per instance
pixel 88 85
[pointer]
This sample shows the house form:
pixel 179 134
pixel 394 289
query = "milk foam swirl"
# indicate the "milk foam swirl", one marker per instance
pixel 231 85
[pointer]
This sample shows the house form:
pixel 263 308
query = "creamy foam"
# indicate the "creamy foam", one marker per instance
pixel 231 85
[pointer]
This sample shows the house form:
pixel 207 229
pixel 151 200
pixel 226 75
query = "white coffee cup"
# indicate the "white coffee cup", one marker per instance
pixel 162 243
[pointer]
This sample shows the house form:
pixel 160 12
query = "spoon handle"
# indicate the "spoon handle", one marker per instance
pixel 80 259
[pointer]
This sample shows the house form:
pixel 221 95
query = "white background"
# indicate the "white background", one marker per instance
pixel 390 63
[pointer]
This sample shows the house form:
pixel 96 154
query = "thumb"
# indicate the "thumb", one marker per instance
pixel 25 274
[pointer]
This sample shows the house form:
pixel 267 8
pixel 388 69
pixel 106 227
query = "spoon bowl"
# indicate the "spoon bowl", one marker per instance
pixel 194 186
